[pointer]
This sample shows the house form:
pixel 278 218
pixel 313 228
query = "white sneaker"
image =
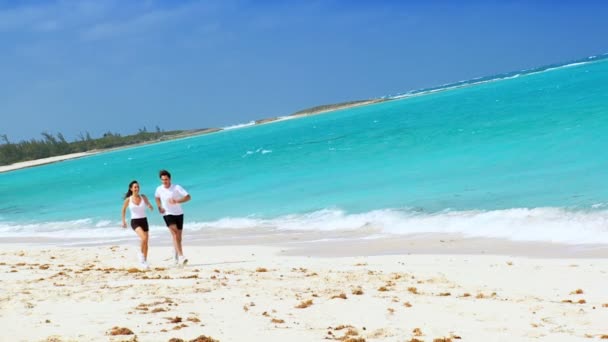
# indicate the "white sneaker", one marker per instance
pixel 182 260
pixel 140 257
pixel 144 265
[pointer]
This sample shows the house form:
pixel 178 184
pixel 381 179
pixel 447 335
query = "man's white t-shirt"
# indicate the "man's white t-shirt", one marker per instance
pixel 174 191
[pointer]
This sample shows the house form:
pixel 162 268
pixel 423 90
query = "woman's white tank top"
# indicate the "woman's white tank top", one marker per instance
pixel 137 211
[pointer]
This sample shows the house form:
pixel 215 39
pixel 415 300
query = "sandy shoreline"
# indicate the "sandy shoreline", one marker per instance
pixel 332 244
pixel 43 161
pixel 332 108
pixel 241 291
pixel 56 159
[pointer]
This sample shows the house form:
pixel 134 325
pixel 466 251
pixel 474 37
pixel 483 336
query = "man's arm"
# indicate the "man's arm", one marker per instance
pixel 184 199
pixel 159 205
pixel 185 195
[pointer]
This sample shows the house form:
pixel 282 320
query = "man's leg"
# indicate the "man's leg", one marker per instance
pixel 178 238
pixel 176 234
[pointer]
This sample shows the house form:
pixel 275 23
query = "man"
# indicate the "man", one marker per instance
pixel 168 199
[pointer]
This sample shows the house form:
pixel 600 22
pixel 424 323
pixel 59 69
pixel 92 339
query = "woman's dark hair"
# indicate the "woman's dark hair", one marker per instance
pixel 164 173
pixel 129 193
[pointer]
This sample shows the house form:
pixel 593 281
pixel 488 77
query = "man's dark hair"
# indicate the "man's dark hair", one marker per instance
pixel 164 173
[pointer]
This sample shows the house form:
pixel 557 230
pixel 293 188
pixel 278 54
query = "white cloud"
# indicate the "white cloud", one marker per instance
pixel 20 18
pixel 50 17
pixel 47 26
pixel 144 21
pixel 92 19
pixel 141 23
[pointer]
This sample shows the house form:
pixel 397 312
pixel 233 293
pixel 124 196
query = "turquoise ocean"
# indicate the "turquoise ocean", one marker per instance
pixel 522 156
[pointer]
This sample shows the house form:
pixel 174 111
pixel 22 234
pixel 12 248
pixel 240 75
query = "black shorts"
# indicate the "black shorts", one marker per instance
pixel 140 222
pixel 177 220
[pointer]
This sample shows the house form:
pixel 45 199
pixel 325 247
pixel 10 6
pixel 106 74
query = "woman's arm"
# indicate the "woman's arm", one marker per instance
pixel 124 212
pixel 147 202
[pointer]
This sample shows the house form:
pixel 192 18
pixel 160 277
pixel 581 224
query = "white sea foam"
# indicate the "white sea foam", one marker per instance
pixel 521 224
pixel 250 123
pixel 76 229
pixel 538 224
pixel 481 80
pixel 286 117
pixel 257 151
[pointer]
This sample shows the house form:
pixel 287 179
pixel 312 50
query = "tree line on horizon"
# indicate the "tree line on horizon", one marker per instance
pixel 55 145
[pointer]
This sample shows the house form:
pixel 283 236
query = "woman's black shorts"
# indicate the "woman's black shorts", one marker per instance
pixel 140 222
pixel 177 220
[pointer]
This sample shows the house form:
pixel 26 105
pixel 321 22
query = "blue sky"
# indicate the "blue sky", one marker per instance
pixel 110 65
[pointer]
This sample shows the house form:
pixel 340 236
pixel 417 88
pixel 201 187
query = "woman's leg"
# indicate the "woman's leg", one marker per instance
pixel 143 236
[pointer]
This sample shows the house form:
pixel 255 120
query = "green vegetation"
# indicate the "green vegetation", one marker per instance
pixel 335 106
pixel 54 145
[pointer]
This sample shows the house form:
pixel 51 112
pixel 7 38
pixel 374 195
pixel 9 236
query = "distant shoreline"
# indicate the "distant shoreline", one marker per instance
pixel 43 161
pixel 189 133
pixel 333 107
pixel 321 110
pixel 64 157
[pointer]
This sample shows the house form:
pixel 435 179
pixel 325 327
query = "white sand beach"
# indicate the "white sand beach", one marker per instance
pixel 43 161
pixel 334 290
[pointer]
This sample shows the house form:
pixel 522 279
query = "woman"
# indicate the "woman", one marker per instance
pixel 137 204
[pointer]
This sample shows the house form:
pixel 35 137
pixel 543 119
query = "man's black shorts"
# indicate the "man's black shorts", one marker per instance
pixel 140 222
pixel 177 220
